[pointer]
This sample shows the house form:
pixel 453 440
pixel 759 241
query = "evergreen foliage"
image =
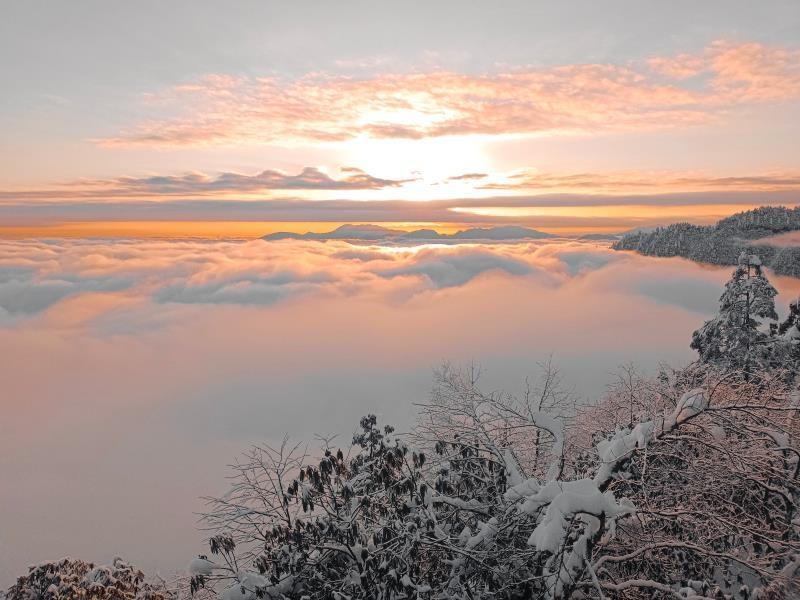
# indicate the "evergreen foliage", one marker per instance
pixel 738 337
pixel 723 243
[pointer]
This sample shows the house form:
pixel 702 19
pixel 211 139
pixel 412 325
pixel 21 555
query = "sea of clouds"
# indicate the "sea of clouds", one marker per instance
pixel 134 370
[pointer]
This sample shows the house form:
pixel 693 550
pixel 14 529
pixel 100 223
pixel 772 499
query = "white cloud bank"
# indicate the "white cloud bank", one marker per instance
pixel 136 369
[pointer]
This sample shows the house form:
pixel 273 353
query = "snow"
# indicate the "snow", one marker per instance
pixel 565 499
pixel 556 428
pixel 471 504
pixel 717 432
pixel 620 447
pixel 746 259
pixel 522 490
pixel 624 442
pixel 512 467
pixel 248 584
pixel 486 533
pixel 691 403
pixel 201 566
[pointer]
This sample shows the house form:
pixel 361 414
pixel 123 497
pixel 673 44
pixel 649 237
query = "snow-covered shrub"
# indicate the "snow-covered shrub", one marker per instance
pixel 69 579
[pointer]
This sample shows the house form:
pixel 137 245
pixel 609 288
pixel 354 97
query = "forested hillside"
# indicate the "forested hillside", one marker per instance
pixel 721 244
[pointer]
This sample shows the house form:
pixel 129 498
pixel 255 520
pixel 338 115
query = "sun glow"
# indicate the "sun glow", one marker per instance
pixel 430 163
pixel 422 116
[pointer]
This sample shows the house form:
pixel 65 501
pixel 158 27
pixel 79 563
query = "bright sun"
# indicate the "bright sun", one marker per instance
pixel 432 161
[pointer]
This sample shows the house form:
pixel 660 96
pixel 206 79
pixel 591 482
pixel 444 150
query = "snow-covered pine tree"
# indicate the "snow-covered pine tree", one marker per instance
pixel 736 338
pixel 790 328
pixel 788 334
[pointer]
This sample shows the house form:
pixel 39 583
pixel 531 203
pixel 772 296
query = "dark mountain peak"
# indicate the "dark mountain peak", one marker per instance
pixel 378 233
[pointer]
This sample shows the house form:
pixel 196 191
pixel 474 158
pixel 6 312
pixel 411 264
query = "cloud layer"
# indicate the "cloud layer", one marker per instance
pixel 499 198
pixel 664 92
pixel 137 369
pixel 652 182
pixel 198 184
pixel 310 178
pixel 38 275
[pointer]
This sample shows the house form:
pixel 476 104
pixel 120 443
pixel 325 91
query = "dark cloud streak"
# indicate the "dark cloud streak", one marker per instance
pixel 16 211
pixel 201 184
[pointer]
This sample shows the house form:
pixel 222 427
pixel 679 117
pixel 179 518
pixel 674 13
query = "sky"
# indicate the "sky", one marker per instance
pixel 578 115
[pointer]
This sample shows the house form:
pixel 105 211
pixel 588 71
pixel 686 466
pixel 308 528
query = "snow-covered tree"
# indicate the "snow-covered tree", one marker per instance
pixel 788 334
pixel 790 328
pixel 69 579
pixel 738 337
pixel 716 500
pixel 697 498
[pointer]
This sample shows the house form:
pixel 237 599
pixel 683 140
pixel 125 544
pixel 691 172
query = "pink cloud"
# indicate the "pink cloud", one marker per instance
pixel 749 72
pixel 579 98
pixel 754 72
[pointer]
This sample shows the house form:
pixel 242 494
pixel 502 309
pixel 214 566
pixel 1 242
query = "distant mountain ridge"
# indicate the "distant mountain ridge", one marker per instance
pixel 721 244
pixel 376 233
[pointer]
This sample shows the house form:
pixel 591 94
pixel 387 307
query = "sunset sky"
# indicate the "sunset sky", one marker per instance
pixel 571 116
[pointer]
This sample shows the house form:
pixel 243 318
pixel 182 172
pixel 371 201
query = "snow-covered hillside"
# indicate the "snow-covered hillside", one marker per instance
pixel 721 244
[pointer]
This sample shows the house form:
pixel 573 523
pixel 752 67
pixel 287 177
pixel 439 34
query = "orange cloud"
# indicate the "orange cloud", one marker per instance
pixel 581 98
